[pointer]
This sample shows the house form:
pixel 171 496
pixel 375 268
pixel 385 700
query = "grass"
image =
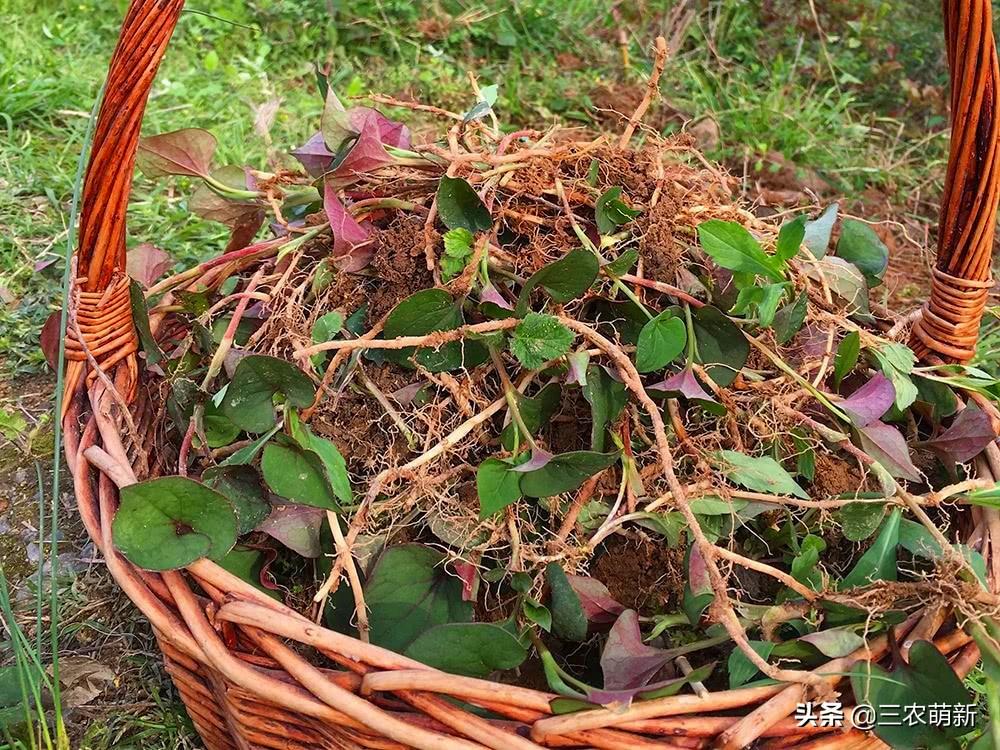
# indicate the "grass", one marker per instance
pixel 852 96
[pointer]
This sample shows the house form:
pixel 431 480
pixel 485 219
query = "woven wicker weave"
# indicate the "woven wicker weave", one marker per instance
pixel 226 645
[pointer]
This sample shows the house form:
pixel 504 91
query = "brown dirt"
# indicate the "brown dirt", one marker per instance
pixel 614 103
pixel 644 575
pixel 658 246
pixel 398 265
pixel 835 476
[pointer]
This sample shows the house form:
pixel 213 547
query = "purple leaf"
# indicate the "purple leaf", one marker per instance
pixel 886 445
pixel 41 265
pixel 870 401
pixel 351 249
pixel 967 437
pixel 489 293
pixel 313 155
pixel 146 263
pixel 210 205
pixel 182 152
pixel 539 458
pixel 297 527
pixel 598 604
pixel 578 362
pixel 368 152
pixel 468 574
pixel 686 384
pixel 698 578
pixel 626 661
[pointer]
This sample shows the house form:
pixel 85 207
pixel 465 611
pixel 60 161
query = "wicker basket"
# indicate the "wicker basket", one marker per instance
pixel 226 645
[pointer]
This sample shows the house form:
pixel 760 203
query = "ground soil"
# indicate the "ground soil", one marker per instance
pixel 641 574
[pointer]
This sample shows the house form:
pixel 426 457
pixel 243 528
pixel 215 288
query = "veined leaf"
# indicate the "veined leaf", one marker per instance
pixel 733 247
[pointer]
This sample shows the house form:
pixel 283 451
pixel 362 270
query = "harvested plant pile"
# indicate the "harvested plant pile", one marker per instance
pixel 528 399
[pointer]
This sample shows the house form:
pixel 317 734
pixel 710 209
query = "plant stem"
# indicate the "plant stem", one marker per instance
pixel 510 394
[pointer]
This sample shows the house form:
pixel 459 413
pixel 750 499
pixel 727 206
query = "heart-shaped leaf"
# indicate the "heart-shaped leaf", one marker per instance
pixel 760 474
pixel 834 642
pixel 258 379
pixel 182 152
pixel 626 661
pixel 497 485
pixel 352 249
pixel 818 231
pixel 563 280
pixel 334 466
pixel 731 246
pixel 146 263
pixel 966 438
pixel 845 281
pixel 683 383
pixel 538 339
pixel 565 472
pixel 722 347
pixel 473 649
pixel 167 523
pixel 660 341
pixel 859 520
pixel 887 445
pixel 297 527
pixel 598 604
pixel 460 207
pixel 698 593
pixel 789 319
pixel 858 244
pixel 568 618
pixel 240 485
pixel 847 357
pixel 535 411
pixel 425 312
pixel 926 680
pixel 869 402
pixel 313 155
pixel 408 593
pixel 297 475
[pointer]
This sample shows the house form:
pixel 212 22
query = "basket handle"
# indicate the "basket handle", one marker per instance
pixel 145 32
pixel 961 282
pixel 101 329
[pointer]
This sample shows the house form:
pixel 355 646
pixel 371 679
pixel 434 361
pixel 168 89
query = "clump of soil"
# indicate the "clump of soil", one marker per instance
pixel 641 574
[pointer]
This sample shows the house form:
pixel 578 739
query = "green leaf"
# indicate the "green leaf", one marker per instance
pixel 564 280
pixel 219 431
pixel 722 347
pixel 258 379
pixel 741 669
pixel 622 264
pixel 607 398
pixel 497 485
pixel 248 453
pixel 790 238
pixel 538 614
pixel 879 562
pixel 325 329
pixel 611 212
pixel 535 412
pixel 240 485
pixel 896 362
pixel 460 207
pixel 569 621
pixel 818 231
pixel 660 341
pixel 847 356
pixel 804 568
pixel 140 317
pixel 759 474
pixel 858 244
pixel 297 475
pixel 732 246
pixel 408 593
pixel 167 523
pixel 334 464
pixel 927 679
pixel 457 251
pixel 473 649
pixel 846 283
pixel 425 312
pixel 860 520
pixel 565 472
pixel 789 319
pixel 764 299
pixel 538 339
